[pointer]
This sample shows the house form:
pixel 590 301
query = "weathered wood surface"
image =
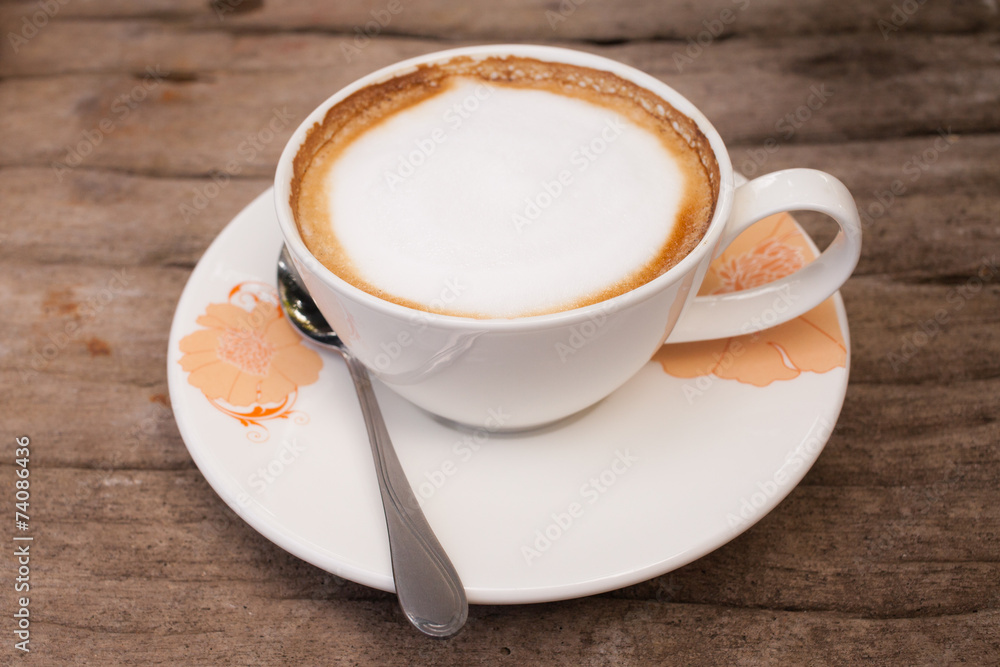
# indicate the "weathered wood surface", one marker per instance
pixel 889 550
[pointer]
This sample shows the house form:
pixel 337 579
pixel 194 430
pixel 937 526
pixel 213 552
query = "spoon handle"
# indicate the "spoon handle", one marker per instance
pixel 427 585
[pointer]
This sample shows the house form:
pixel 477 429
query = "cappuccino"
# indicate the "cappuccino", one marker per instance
pixel 502 187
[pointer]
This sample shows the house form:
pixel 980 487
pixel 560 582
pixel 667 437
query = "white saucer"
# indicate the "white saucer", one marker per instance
pixel 660 473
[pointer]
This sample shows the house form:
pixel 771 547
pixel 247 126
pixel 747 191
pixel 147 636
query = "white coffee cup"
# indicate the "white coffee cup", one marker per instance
pixel 510 374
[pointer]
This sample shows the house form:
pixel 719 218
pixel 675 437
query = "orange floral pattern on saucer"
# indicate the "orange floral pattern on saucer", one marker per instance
pixel 248 361
pixel 770 249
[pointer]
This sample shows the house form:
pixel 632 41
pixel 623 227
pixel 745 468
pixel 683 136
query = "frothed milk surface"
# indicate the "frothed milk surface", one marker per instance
pixel 496 201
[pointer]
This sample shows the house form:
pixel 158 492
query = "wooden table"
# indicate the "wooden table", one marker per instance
pixel 116 115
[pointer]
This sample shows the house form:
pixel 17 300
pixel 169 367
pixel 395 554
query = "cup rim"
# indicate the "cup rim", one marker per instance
pixel 292 237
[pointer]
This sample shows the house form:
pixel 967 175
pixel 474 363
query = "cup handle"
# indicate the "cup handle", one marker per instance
pixel 758 308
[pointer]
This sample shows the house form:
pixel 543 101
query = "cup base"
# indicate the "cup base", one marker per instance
pixel 513 431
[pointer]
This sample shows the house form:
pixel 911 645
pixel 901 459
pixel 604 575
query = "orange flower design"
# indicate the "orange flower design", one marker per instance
pixel 767 262
pixel 771 249
pixel 249 356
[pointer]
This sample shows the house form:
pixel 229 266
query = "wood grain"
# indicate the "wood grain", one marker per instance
pixel 861 88
pixel 532 20
pixel 887 552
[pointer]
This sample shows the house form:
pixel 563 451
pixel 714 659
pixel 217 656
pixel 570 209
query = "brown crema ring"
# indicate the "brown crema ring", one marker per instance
pixel 367 107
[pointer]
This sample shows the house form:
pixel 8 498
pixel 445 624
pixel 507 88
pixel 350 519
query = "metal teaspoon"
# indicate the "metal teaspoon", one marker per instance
pixel 428 587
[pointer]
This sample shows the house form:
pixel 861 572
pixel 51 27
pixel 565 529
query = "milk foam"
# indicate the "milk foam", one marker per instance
pixel 494 201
